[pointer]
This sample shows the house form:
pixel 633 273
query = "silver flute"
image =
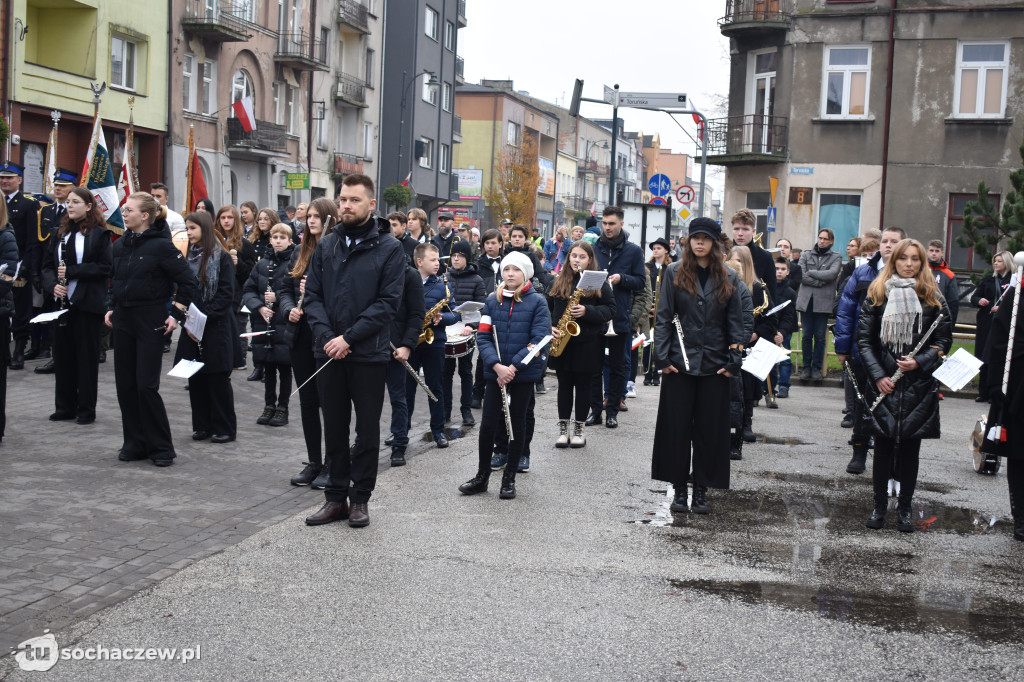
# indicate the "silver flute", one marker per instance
pixel 679 333
pixel 504 395
pixel 917 349
pixel 853 380
pixel 416 376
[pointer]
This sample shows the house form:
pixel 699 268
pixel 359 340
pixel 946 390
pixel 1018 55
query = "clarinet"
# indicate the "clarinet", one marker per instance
pixel 416 376
pixel 63 281
pixel 917 349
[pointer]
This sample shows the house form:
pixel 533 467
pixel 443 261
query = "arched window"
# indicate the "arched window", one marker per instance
pixel 241 87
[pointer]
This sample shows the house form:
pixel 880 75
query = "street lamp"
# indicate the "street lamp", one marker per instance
pixel 432 83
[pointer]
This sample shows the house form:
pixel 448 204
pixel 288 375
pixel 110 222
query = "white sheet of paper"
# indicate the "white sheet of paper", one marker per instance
pixel 763 357
pixel 185 368
pixel 958 369
pixel 195 321
pixel 470 311
pixel 47 317
pixel 249 335
pixel 537 349
pixel 592 279
pixel 777 309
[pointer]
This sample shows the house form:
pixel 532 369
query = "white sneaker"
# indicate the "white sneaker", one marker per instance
pixel 631 389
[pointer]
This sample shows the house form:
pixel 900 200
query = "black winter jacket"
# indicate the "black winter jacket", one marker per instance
pixel 787 316
pixel 912 410
pixel 246 261
pixel 1013 403
pixel 274 347
pixel 467 285
pixel 709 326
pixel 8 257
pixel 145 268
pixel 408 322
pixel 262 246
pixel 219 340
pixel 444 247
pixel 626 260
pixel 354 291
pixel 765 327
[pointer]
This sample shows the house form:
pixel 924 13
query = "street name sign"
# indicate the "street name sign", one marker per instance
pixel 673 100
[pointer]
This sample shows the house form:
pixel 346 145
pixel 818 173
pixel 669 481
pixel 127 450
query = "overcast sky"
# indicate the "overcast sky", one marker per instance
pixel 643 45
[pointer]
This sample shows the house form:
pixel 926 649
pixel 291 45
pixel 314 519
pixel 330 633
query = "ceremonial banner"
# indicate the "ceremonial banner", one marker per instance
pixel 98 178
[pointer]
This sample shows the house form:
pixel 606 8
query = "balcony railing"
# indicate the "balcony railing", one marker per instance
pixel 266 135
pixel 351 89
pixel 752 138
pixel 347 164
pixel 354 14
pixel 218 20
pixel 457 128
pixel 594 167
pixel 299 50
pixel 462 13
pixel 755 16
pixel 460 70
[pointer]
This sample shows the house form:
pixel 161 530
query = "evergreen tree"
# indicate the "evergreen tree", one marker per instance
pixel 988 230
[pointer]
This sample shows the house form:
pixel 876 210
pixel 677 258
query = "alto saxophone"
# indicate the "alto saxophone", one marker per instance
pixel 427 334
pixel 566 325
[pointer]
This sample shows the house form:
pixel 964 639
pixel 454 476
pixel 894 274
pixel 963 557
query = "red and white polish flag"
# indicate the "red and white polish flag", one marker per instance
pixel 244 112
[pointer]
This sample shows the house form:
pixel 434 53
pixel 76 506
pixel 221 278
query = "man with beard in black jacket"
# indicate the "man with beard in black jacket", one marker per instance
pixel 354 286
pixel 444 239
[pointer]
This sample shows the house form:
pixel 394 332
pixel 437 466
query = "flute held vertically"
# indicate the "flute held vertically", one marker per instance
pixel 682 346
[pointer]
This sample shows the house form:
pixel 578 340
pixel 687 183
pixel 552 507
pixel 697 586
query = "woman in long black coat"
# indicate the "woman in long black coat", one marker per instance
pixel 1011 406
pixel 988 299
pixel 210 392
pixel 243 255
pixel 583 355
pixel 81 257
pixel 693 407
pixel 901 305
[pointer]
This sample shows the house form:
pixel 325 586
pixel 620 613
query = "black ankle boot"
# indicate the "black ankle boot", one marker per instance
pixel 904 518
pixel 679 505
pixel 735 446
pixel 858 463
pixel 700 500
pixel 1018 530
pixel 508 484
pixel 478 484
pixel 877 519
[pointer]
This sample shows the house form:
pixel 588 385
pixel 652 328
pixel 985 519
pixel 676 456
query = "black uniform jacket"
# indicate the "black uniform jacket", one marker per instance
pixel 146 268
pixel 709 326
pixel 218 344
pixel 912 410
pixel 92 273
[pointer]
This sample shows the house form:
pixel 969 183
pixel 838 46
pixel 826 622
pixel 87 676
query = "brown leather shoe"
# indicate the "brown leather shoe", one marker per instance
pixel 359 517
pixel 622 406
pixel 329 513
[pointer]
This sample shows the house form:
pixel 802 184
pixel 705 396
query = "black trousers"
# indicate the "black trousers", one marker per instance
pixel 431 358
pixel 617 362
pixel 76 362
pixel 271 370
pixel 573 390
pixel 861 436
pixel 521 396
pixel 465 366
pixel 5 357
pixel 478 379
pixel 343 385
pixel 213 403
pixel 692 427
pixel 22 311
pixel 751 394
pixel 501 432
pixel 304 364
pixel 907 455
pixel 241 320
pixel 138 365
pixel 1015 482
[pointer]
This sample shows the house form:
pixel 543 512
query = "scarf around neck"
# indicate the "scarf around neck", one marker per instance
pixel 822 251
pixel 361 231
pixel 902 314
pixel 613 242
pixel 195 259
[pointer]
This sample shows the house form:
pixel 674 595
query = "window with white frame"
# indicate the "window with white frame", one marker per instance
pixel 188 82
pixel 847 77
pixel 430 92
pixel 241 87
pixel 431 22
pixel 208 100
pixel 445 160
pixel 449 35
pixel 278 89
pixel 368 146
pixel 427 160
pixel 981 77
pixel 122 62
pixel 292 120
pixel 446 99
pixel 198 85
pixel 321 133
pixel 512 137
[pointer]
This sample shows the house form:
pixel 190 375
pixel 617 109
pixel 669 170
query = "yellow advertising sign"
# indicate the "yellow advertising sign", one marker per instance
pixel 296 181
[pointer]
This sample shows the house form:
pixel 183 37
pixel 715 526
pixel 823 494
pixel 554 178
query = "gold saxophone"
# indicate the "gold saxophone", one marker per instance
pixel 759 310
pixel 427 335
pixel 566 325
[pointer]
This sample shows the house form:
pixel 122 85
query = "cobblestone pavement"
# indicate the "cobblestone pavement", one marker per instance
pixel 81 530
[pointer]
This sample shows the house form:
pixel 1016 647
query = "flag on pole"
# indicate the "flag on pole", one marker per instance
pixel 405 183
pixel 244 112
pixel 195 184
pixel 700 127
pixel 51 162
pixel 98 178
pixel 127 181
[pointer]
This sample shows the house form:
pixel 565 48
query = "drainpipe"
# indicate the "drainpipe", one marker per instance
pixel 888 110
pixel 168 138
pixel 309 97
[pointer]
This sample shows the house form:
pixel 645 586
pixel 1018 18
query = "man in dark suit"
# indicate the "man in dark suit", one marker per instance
pixel 22 213
pixel 50 216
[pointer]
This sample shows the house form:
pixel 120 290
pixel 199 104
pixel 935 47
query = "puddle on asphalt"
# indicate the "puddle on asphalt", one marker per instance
pixel 983 618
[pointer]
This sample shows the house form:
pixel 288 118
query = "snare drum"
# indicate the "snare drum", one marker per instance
pixel 984 463
pixel 457 346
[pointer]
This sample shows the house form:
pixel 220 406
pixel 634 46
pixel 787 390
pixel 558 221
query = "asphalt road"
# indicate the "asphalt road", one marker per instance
pixel 586 575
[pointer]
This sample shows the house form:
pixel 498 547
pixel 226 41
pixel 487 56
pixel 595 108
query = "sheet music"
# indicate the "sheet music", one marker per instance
pixel 537 349
pixel 777 308
pixel 592 279
pixel 958 369
pixel 470 311
pixel 47 317
pixel 763 357
pixel 186 368
pixel 195 321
